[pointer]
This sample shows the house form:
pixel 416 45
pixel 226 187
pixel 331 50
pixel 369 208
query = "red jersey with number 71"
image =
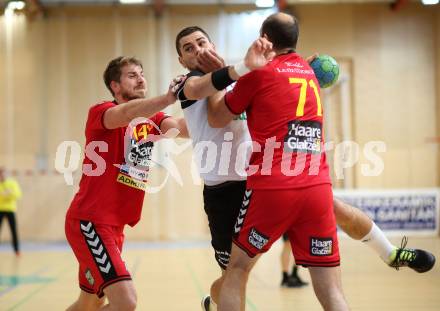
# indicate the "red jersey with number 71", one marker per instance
pixel 285 119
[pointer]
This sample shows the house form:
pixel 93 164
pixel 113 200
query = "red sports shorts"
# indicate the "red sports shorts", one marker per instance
pixel 97 248
pixel 305 215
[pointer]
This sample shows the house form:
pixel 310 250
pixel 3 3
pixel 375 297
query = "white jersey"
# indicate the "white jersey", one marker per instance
pixel 220 154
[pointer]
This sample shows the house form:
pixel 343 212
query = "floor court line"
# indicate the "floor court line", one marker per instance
pixel 37 290
pixel 63 246
pixel 163 270
pixel 8 289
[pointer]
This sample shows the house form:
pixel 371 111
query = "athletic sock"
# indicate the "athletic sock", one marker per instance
pixel 377 240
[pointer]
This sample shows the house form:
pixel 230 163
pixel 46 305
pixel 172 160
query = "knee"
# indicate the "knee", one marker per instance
pixel 334 301
pixel 131 302
pixel 241 267
pixel 99 303
pixel 131 305
pixel 127 303
pixel 86 305
pixel 343 214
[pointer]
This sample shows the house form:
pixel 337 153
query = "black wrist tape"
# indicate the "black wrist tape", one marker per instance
pixel 220 79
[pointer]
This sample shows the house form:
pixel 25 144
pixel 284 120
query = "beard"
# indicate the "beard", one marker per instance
pixel 127 96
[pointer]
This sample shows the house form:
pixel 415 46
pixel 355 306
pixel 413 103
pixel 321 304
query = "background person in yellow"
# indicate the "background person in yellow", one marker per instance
pixel 10 192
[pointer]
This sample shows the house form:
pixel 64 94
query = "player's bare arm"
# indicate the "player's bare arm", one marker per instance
pixel 219 114
pixel 200 87
pixel 258 55
pixel 121 115
pixel 210 61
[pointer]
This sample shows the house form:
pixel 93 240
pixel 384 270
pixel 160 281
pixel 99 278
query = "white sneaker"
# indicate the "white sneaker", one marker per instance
pixel 206 301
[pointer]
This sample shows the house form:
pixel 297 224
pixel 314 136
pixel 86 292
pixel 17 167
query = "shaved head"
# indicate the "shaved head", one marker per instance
pixel 282 30
pixel 284 17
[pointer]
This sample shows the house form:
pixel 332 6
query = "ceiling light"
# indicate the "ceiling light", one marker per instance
pixel 13 6
pixel 265 3
pixel 132 1
pixel 430 2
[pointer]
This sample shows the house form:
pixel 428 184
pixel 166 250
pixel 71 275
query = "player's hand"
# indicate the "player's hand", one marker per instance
pixel 176 83
pixel 174 87
pixel 259 54
pixel 209 61
pixel 312 57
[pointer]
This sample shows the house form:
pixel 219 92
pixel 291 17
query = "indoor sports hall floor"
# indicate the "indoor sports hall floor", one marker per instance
pixel 175 275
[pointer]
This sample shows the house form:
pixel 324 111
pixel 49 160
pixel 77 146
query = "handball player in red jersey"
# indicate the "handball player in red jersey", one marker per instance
pixel 288 185
pixel 119 142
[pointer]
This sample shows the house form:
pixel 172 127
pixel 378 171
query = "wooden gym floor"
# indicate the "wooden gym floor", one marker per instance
pixel 175 275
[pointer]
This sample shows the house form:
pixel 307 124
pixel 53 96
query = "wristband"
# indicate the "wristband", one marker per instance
pixel 220 79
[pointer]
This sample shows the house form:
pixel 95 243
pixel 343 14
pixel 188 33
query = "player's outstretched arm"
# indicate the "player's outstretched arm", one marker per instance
pixel 219 114
pixel 122 115
pixel 196 88
pixel 258 54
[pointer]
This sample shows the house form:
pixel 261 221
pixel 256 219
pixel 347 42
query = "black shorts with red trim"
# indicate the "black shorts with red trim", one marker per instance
pixel 305 215
pixel 97 248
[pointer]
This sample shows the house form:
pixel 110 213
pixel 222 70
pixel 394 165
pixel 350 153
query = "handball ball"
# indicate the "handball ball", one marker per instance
pixel 326 70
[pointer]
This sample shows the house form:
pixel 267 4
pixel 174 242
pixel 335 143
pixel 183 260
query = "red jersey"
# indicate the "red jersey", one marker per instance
pixel 285 117
pixel 115 170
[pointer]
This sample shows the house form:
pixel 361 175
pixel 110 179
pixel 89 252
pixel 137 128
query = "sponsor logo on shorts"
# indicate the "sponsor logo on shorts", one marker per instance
pixel 89 277
pixel 321 246
pixel 257 239
pixel 303 136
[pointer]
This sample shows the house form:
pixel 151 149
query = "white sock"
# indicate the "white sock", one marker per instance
pixel 377 240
